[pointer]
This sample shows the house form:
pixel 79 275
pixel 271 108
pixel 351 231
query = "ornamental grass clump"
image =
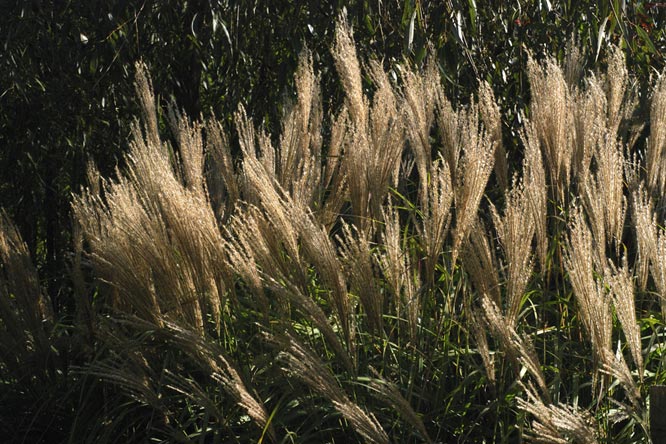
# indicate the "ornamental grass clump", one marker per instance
pixel 26 316
pixel 371 273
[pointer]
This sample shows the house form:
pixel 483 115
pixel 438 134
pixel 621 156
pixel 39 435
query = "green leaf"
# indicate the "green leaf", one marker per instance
pixel 646 38
pixel 472 12
pixel 601 34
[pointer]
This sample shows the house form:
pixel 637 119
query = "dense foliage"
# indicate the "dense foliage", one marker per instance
pixel 68 67
pixel 358 320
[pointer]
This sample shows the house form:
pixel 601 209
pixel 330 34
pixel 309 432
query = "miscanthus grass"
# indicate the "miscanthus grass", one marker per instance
pixel 374 273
